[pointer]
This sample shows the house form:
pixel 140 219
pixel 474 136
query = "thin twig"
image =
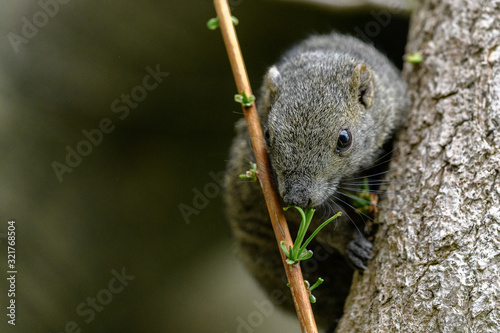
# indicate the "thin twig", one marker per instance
pixel 294 274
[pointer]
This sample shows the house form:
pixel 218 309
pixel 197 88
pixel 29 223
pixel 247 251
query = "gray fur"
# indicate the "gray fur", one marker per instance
pixel 318 88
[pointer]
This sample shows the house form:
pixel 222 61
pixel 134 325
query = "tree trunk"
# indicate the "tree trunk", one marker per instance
pixel 436 265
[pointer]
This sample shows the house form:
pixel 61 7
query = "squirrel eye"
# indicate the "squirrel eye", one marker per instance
pixel 267 137
pixel 344 141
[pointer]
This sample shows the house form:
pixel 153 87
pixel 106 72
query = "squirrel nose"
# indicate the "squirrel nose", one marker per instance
pixel 297 198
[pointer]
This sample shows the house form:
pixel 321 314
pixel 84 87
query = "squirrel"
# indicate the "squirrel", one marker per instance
pixel 327 108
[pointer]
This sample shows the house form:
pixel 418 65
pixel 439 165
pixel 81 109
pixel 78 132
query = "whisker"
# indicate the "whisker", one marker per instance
pixel 373 182
pixel 367 201
pixel 350 218
pixel 354 208
pixel 388 154
pixel 361 190
pixel 372 175
pixel 382 159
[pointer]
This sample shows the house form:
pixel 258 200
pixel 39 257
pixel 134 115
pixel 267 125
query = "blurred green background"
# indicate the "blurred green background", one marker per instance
pixel 118 209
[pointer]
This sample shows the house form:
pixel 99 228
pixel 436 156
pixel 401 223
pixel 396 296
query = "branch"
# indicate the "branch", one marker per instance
pixel 293 272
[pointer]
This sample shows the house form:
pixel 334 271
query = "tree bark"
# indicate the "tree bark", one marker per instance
pixel 436 265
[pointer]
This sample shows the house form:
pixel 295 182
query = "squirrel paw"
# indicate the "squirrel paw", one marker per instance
pixel 358 252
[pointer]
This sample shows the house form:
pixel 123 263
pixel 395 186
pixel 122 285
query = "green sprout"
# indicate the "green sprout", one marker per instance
pixel 309 289
pixel 365 202
pixel 244 99
pixel 414 58
pixel 298 251
pixel 312 299
pixel 250 174
pixel 213 23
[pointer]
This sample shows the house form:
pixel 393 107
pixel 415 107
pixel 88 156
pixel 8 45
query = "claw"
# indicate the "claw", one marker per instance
pixel 358 252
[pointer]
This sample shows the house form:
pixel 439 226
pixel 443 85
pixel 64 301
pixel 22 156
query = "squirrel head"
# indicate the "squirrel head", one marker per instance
pixel 319 116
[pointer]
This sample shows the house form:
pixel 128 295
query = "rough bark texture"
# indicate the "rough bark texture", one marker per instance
pixel 436 265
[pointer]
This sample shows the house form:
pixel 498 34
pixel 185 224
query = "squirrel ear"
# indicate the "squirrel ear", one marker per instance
pixel 362 85
pixel 273 79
